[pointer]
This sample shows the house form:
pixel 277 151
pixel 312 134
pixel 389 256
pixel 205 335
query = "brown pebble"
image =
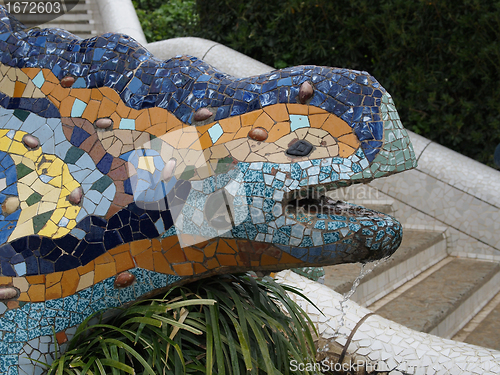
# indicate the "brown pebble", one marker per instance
pixel 169 169
pixel 75 196
pixel 258 134
pixel 305 92
pixel 7 293
pixel 103 123
pixel 10 205
pixel 202 114
pixel 124 279
pixel 30 141
pixel 67 81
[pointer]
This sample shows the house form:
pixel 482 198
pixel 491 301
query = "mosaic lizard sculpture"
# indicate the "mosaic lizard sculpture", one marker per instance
pixel 122 174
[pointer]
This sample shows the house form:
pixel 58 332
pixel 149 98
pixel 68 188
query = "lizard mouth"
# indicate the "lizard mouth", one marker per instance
pixel 357 233
pixel 309 205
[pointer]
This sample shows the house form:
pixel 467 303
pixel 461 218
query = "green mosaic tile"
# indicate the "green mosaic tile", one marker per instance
pixel 73 154
pixel 33 198
pixel 23 170
pixel 102 184
pixel 21 115
pixel 188 172
pixel 312 273
pixel 39 221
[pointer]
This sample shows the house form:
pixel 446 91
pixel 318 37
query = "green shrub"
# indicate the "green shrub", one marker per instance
pixel 166 19
pixel 440 60
pixel 221 325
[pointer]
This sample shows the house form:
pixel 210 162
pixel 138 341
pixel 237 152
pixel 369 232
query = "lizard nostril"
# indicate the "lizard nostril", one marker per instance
pixel 300 148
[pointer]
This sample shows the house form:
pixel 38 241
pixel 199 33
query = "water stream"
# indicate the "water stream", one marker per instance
pixel 365 270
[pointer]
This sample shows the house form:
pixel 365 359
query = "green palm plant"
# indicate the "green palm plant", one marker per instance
pixel 221 325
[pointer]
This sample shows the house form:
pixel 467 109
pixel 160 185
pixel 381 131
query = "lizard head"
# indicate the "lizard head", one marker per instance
pixel 185 169
pixel 121 174
pixel 260 156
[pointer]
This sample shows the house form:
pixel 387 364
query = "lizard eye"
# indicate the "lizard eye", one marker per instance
pixel 300 148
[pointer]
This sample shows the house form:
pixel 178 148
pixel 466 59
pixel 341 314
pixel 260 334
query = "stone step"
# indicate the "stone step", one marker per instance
pixel 418 251
pixel 444 301
pixel 79 21
pixel 484 328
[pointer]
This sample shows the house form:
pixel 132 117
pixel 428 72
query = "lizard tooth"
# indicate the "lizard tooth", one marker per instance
pixel 124 279
pixel 75 196
pixel 7 293
pixel 67 81
pixel 202 114
pixel 305 92
pixel 30 141
pixel 103 123
pixel 258 134
pixel 169 169
pixel 10 205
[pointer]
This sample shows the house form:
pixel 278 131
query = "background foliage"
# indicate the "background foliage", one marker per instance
pixel 439 59
pixel 167 19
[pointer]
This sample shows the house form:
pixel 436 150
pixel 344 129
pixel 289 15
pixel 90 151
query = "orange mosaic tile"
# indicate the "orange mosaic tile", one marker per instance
pixel 69 282
pixel 123 261
pixel 278 112
pixel 175 255
pixel 123 112
pixel 199 268
pixel 86 268
pixel 137 247
pixel 53 292
pixel 107 107
pixel 227 260
pixel 297 109
pixel 230 124
pixel 227 246
pixel 336 127
pixel 36 279
pixel 31 72
pixel 264 121
pixel 345 150
pixel 61 337
pixel 288 259
pixel 212 263
pixel 36 293
pixel 161 264
pixel 19 89
pixel 277 131
pixel 120 249
pixel 185 269
pixel 318 120
pixel 193 255
pixel 169 242
pixel 104 259
pixel 145 259
pixel 248 119
pixel 52 279
pixel 143 122
pixel 96 95
pixel 104 271
pixel 267 260
pixel 350 140
pixel 90 112
pixel 83 94
pixel 58 92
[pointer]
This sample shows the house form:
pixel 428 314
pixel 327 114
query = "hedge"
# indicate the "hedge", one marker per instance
pixel 439 59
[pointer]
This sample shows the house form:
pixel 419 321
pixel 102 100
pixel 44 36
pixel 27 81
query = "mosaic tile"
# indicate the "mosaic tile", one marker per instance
pixel 172 170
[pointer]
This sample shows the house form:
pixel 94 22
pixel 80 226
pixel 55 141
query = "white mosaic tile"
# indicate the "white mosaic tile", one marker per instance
pixel 407 351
